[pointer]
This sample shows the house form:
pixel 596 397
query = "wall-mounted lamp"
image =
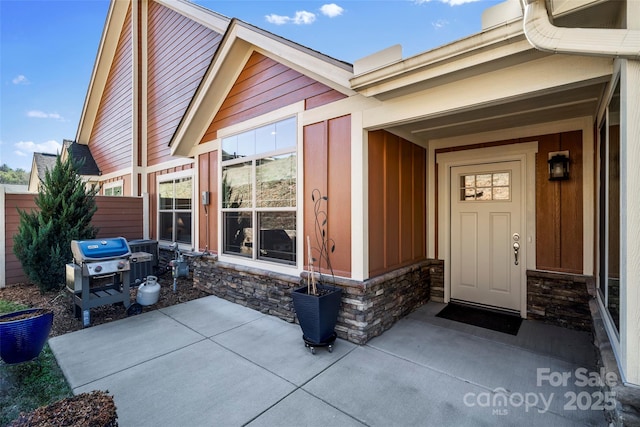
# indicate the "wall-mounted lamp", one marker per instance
pixel 558 166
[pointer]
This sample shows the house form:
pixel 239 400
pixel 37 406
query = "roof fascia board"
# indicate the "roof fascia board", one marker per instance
pixel 322 68
pixel 497 42
pixel 199 14
pixel 102 66
pixel 239 42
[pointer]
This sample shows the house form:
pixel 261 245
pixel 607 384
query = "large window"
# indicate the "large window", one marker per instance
pixel 259 178
pixel 174 209
pixel 610 208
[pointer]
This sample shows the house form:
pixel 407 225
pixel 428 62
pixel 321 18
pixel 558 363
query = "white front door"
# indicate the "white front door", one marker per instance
pixel 486 207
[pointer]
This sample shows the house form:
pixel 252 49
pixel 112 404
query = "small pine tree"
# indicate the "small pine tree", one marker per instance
pixel 65 208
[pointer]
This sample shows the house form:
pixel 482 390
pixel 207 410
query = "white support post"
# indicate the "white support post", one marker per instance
pixel 145 215
pixel 630 220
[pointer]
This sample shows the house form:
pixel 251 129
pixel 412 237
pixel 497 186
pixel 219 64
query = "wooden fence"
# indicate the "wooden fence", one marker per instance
pixel 115 217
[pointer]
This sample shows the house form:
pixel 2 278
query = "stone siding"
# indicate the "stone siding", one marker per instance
pixel 436 273
pixel 368 308
pixel 560 299
pixel 261 290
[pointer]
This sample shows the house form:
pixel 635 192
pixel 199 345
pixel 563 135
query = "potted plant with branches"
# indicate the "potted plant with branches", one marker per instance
pixel 317 303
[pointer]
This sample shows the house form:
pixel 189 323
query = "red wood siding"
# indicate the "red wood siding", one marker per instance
pixel 152 189
pixel 119 217
pixel 397 202
pixel 13 202
pixel 208 181
pixel 112 134
pixel 327 167
pixel 265 85
pixel 180 50
pixel 559 221
pixel 116 216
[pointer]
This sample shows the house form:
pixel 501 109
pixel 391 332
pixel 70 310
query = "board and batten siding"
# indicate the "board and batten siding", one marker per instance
pixel 559 220
pixel 179 53
pixel 115 217
pixel 327 168
pixel 397 202
pixel 208 215
pixel 112 134
pixel 265 85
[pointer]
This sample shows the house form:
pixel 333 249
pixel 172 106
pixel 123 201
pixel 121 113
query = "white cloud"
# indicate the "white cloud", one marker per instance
pixel 304 17
pixel 27 148
pixel 20 80
pixel 331 10
pixel 42 115
pixel 440 23
pixel 449 2
pixel 277 19
pixel 301 17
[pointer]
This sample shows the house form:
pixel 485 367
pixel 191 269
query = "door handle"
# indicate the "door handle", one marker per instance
pixel 516 248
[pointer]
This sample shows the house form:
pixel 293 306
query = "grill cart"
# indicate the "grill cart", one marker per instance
pixel 99 274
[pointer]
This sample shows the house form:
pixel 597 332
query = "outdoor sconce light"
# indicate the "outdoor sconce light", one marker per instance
pixel 558 166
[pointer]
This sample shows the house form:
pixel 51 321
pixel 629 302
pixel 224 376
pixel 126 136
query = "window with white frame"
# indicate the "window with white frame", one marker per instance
pixel 259 179
pixel 175 201
pixel 112 188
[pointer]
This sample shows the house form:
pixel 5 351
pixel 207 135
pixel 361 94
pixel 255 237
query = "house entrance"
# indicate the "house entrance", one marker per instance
pixel 487 234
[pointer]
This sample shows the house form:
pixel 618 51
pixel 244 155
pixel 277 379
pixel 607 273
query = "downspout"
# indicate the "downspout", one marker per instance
pixel 544 36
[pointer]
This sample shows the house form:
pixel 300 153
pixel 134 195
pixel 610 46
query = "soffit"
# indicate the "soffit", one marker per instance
pixel 578 101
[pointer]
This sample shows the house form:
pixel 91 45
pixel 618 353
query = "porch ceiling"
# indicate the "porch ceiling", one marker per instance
pixel 509 113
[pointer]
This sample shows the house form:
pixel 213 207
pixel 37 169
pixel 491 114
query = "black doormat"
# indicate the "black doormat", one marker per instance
pixel 501 322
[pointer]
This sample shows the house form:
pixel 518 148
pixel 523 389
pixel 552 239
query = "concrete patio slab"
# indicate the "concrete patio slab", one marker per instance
pixel 95 352
pixel 383 390
pixel 211 315
pixel 302 409
pixel 487 363
pixel 211 362
pixel 569 345
pixel 199 385
pixel 278 346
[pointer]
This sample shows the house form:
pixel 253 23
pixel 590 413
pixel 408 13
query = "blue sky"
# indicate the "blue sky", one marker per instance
pixel 48 48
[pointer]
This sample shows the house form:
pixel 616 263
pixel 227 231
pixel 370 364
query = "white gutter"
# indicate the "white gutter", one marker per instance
pixel 543 35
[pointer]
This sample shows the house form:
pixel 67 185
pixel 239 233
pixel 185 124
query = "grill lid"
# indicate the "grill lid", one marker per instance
pixel 99 249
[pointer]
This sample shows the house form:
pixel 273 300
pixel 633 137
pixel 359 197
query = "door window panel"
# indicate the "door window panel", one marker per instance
pixel 486 187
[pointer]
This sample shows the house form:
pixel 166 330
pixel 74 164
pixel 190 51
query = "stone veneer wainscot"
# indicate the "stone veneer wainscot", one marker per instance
pixel 368 308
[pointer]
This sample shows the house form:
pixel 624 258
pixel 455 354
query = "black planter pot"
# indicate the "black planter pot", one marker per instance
pixel 317 314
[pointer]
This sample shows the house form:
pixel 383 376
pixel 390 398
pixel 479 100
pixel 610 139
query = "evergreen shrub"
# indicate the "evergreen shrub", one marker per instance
pixel 65 208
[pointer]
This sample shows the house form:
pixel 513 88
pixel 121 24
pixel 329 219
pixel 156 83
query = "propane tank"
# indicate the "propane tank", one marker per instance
pixel 148 291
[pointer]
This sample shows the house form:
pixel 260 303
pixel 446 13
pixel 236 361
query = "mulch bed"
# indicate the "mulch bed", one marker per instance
pixel 95 409
pixel 63 315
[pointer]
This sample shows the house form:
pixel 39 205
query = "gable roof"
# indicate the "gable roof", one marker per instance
pixel 41 163
pixel 81 153
pixel 239 42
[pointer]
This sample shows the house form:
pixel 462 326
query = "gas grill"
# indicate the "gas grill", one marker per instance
pixel 99 274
